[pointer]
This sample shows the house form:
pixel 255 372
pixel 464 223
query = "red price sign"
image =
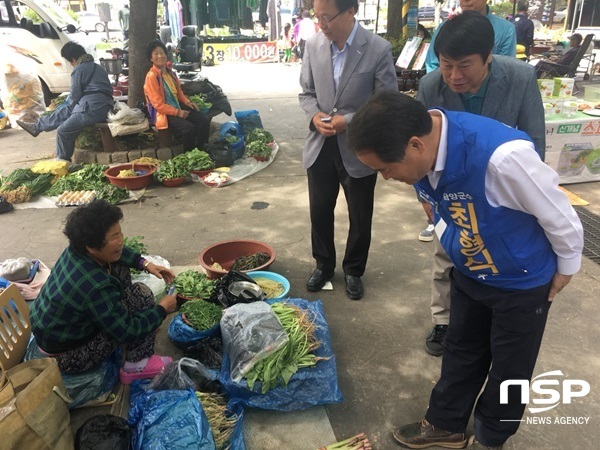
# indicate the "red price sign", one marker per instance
pixel 255 52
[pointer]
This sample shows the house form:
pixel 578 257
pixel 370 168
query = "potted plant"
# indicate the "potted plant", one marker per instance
pixel 172 172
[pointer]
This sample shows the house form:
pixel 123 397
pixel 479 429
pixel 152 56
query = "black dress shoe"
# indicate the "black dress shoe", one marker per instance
pixel 318 279
pixel 354 287
pixel 30 127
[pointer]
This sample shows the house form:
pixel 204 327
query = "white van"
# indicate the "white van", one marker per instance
pixel 38 29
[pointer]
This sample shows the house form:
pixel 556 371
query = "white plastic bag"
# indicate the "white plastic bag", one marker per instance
pixel 20 87
pixel 125 115
pixel 251 332
pixel 15 269
pixel 156 285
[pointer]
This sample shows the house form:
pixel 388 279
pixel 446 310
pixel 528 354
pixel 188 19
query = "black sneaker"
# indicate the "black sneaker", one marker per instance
pixel 423 435
pixel 434 344
pixel 30 127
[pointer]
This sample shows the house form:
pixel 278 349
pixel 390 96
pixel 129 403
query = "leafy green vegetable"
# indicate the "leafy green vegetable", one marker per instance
pixel 193 284
pixel 173 168
pixel 201 315
pixel 90 178
pixel 40 184
pixel 199 160
pixel 17 178
pixel 258 148
pixel 200 102
pixel 260 135
pixel 111 193
pixel 135 243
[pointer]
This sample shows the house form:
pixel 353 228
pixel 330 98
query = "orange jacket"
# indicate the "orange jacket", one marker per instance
pixel 155 98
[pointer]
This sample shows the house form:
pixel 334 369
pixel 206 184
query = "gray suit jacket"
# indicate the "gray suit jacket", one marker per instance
pixel 369 67
pixel 512 97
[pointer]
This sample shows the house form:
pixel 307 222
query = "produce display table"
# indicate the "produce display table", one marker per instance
pixel 573 147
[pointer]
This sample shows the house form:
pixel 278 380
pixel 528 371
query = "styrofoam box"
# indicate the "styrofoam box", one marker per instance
pixel 592 94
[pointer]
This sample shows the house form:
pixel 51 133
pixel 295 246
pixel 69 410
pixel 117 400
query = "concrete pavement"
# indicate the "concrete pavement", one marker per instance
pixel 384 372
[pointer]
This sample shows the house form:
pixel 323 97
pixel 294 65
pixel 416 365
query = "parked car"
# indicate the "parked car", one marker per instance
pixel 560 14
pixel 428 13
pixel 90 21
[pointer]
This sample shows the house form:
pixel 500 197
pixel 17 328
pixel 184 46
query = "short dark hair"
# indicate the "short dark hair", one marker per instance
pixel 465 34
pixel 577 37
pixel 345 5
pixel 72 50
pixel 385 124
pixel 522 6
pixel 88 224
pixel 152 45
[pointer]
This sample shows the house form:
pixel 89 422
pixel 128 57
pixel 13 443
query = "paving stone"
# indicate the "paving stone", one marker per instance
pixel 84 156
pixel 164 153
pixel 120 157
pixel 149 153
pixel 104 158
pixel 134 154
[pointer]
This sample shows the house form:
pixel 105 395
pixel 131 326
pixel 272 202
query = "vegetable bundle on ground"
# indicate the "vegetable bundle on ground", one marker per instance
pixel 201 315
pixel 177 167
pixel 193 284
pixel 21 185
pixel 259 135
pixel 199 160
pixel 258 149
pixel 222 421
pixel 296 354
pixel 358 442
pixel 89 178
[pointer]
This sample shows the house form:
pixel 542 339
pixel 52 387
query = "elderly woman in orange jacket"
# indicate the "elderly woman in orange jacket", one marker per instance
pixel 168 106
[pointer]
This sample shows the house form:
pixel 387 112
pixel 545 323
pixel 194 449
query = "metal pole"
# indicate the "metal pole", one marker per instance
pixel 377 18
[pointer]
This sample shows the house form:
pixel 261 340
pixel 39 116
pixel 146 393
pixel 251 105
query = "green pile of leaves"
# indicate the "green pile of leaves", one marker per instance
pixel 90 139
pixel 193 284
pixel 200 102
pixel 259 135
pixel 199 160
pixel 135 243
pixel 21 185
pixel 89 178
pixel 201 315
pixel 258 148
pixel 173 168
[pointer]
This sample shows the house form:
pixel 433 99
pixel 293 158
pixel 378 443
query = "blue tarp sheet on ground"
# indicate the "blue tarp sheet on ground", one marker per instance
pixel 183 336
pixel 308 387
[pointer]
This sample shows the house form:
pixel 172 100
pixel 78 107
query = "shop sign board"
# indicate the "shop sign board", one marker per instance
pixel 254 52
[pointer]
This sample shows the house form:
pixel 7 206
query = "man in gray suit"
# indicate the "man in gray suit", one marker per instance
pixel 471 79
pixel 342 67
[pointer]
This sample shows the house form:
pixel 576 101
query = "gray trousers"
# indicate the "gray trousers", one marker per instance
pixel 68 125
pixel 440 284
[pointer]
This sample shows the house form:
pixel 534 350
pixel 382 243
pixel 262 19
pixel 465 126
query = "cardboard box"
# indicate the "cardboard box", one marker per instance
pixel 563 87
pixel 557 105
pixel 546 88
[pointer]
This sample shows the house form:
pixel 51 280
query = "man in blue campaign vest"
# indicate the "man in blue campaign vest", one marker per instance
pixel 513 237
pixel 471 79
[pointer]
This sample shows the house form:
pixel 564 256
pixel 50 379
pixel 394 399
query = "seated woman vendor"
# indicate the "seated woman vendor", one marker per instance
pixel 168 106
pixel 89 306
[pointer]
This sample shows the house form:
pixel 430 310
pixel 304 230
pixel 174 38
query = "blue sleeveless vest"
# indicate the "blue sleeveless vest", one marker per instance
pixel 496 246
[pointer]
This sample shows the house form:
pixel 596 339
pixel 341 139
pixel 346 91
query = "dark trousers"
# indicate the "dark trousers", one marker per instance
pixel 194 130
pixel 487 326
pixel 324 179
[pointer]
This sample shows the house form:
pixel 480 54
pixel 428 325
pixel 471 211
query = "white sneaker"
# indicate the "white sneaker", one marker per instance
pixel 427 234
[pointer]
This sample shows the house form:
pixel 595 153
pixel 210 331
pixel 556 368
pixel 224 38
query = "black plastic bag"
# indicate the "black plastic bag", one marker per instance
pixel 220 153
pixel 208 351
pixel 104 432
pixel 222 296
pixel 184 374
pixel 211 93
pixel 5 206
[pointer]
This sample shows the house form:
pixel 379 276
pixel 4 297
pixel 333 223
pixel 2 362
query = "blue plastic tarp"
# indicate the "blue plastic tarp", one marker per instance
pixel 308 387
pixel 169 420
pixel 183 336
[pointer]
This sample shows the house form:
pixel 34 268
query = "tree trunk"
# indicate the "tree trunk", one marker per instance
pixel 394 19
pixel 142 30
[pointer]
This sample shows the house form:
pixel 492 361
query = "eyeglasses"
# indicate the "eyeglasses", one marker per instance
pixel 327 21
